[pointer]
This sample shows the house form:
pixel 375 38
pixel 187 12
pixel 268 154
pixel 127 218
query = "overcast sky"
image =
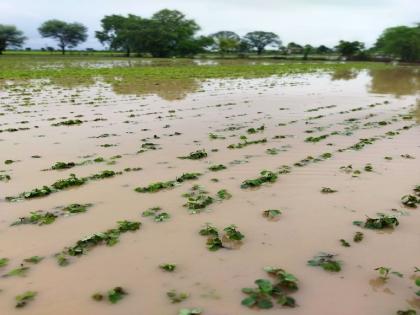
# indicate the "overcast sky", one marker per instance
pixel 312 22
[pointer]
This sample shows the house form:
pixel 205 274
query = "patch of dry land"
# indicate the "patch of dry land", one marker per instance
pixel 129 196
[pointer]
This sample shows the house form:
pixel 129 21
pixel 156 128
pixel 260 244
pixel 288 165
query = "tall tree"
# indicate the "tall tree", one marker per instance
pixel 226 41
pixel 349 49
pixel 307 49
pixel 10 36
pixel 322 49
pixel 167 33
pixel 259 40
pixel 402 42
pixel 120 32
pixel 293 48
pixel 66 34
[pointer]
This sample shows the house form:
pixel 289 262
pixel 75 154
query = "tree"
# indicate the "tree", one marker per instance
pixel 120 32
pixel 349 49
pixel 259 40
pixel 322 49
pixel 293 48
pixel 402 42
pixel 307 49
pixel 67 34
pixel 10 36
pixel 167 33
pixel 226 41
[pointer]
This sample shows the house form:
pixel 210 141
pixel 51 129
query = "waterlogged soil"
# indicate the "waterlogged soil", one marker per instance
pixel 177 117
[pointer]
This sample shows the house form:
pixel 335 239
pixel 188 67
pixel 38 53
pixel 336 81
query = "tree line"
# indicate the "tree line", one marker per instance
pixel 169 33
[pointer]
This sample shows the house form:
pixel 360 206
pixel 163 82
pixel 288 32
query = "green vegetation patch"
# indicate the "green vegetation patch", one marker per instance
pixel 325 261
pixel 23 299
pixel 109 238
pixel 266 177
pixel 113 296
pixel 230 238
pixel 266 292
pixel 381 222
pixel 155 187
pixel 197 155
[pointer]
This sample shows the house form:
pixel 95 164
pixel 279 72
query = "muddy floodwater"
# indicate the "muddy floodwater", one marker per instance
pixel 308 129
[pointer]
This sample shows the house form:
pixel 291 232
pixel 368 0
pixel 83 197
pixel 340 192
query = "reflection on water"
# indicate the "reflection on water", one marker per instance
pixel 344 74
pixel 398 81
pixel 378 285
pixel 169 90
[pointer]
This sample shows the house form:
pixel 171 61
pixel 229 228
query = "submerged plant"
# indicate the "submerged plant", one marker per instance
pixel 218 167
pixel 156 213
pixel 109 237
pixel 77 208
pixel 266 291
pixel 368 167
pixel 384 273
pixel 190 311
pixel 4 262
pixel 5 177
pixel 224 194
pixel 197 155
pixel 198 199
pixel 266 177
pixel 382 222
pixel 255 130
pixel 358 237
pixel 176 297
pixel 317 139
pixel 155 187
pixel 33 259
pixel 61 184
pixel 114 295
pixel 18 272
pixel 327 190
pixel 231 238
pixel 245 143
pixel 43 218
pixel 23 299
pixel 37 192
pixel 344 243
pixel 232 234
pixel 168 267
pixel 70 122
pixel 410 201
pixel 37 218
pixel 325 261
pixel 63 165
pixel 272 214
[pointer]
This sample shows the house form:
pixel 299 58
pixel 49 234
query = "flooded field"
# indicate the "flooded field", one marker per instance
pixel 303 164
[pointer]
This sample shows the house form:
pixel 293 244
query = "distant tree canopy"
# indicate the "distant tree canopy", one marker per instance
pixel 66 34
pixel 349 49
pixel 293 48
pixel 259 40
pixel 116 30
pixel 167 33
pixel 10 36
pixel 402 42
pixel 322 49
pixel 226 41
